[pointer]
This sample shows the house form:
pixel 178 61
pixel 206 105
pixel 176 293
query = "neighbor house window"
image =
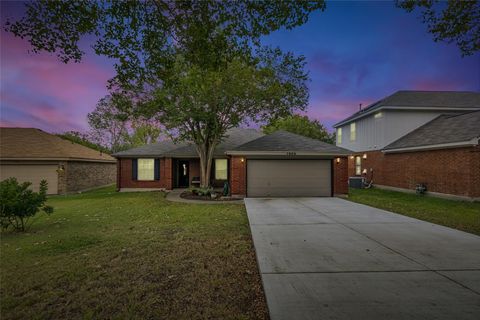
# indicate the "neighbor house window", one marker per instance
pixel 358 165
pixel 146 169
pixel 353 131
pixel 220 169
pixel 339 135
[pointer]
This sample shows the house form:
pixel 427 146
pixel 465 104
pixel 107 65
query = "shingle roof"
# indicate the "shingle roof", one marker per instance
pixel 422 99
pixel 154 149
pixel 441 130
pixel 287 141
pixel 31 143
pixel 167 148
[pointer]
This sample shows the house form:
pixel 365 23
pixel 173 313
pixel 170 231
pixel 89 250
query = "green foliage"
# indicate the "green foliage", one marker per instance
pixel 202 191
pixel 451 21
pixel 301 125
pixel 144 132
pixel 18 203
pixel 198 67
pixel 82 139
pixel 461 215
pixel 140 35
pixel 113 124
pixel 109 122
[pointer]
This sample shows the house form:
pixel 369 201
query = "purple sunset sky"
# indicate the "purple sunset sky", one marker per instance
pixel 357 52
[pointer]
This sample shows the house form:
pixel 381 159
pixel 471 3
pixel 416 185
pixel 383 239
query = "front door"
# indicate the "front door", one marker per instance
pixel 183 177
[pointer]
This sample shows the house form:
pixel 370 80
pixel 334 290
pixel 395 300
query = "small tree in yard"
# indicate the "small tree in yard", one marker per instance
pixel 18 203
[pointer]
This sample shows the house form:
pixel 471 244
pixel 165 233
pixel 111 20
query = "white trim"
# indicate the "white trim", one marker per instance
pixel 344 122
pixel 472 142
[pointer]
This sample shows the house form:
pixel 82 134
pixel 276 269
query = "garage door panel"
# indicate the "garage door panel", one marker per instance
pixel 288 178
pixel 33 174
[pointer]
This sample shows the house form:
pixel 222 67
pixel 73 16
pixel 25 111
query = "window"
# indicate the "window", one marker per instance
pixel 146 169
pixel 353 131
pixel 358 165
pixel 339 135
pixel 221 169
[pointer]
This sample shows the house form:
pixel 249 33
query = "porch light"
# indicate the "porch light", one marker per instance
pixel 352 157
pixel 364 156
pixel 364 171
pixel 338 160
pixel 242 160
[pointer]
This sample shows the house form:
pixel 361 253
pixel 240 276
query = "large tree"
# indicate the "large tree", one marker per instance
pixel 302 125
pixel 108 122
pixel 196 66
pixel 114 125
pixel 452 21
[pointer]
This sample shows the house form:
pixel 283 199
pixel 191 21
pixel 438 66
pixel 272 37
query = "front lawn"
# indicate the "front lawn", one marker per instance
pixel 113 255
pixel 461 215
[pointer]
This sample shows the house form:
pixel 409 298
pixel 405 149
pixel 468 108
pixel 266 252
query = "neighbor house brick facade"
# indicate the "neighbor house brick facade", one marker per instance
pixel 448 171
pixel 279 164
pixel 429 138
pixel 32 155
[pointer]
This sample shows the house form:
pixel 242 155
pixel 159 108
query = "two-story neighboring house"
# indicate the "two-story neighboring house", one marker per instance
pixel 417 137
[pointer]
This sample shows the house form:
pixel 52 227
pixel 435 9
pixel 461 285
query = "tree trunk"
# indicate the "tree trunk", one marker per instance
pixel 205 152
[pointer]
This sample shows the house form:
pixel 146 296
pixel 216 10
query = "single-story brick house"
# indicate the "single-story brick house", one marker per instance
pixel 417 137
pixel 30 154
pixel 255 165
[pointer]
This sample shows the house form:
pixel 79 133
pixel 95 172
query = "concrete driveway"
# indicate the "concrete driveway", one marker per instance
pixel 328 258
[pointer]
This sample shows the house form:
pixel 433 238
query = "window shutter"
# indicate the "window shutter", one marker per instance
pixel 134 169
pixel 157 169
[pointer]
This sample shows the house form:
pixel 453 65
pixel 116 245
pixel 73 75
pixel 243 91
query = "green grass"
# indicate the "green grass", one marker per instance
pixel 113 255
pixel 461 215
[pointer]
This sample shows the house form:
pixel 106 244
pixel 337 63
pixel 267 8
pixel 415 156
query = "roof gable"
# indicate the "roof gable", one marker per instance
pixel 445 129
pixel 286 141
pixel 234 137
pixel 437 100
pixel 31 143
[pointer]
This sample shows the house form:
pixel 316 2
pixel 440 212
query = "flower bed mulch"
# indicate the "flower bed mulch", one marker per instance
pixel 190 196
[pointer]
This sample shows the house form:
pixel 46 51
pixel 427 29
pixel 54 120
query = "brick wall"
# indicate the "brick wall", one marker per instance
pixel 450 171
pixel 82 175
pixel 340 176
pixel 124 175
pixel 62 178
pixel 238 176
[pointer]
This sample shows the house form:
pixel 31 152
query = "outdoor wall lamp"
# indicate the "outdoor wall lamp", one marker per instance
pixel 242 160
pixel 364 156
pixel 61 168
pixel 364 171
pixel 338 160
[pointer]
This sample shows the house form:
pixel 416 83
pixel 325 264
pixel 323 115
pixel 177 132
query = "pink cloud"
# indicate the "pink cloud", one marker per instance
pixel 55 95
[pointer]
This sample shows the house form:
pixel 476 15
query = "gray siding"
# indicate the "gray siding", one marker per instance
pixel 376 133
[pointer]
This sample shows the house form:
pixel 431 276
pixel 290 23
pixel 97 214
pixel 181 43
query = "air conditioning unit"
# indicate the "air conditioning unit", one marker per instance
pixel 356 182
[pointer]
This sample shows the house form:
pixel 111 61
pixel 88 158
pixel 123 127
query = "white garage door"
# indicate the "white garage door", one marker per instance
pixel 32 173
pixel 289 178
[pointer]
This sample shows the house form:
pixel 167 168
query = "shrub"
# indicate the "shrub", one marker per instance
pixel 18 203
pixel 202 191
